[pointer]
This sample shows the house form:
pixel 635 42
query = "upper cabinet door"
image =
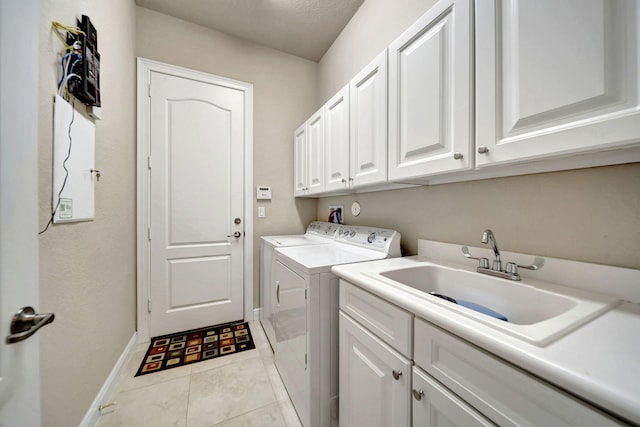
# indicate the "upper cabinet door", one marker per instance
pixel 555 78
pixel 300 161
pixel 336 141
pixel 430 92
pixel 368 91
pixel 315 147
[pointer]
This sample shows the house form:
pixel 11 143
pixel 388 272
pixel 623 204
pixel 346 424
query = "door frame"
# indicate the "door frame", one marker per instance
pixel 145 68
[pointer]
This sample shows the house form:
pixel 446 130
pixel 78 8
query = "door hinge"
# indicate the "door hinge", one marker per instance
pixel 149 90
pixel 149 305
pixel 149 162
pixel 149 233
pixel 305 294
pixel 305 361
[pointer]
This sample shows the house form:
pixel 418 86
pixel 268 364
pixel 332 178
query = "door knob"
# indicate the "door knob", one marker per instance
pixel 237 234
pixel 25 323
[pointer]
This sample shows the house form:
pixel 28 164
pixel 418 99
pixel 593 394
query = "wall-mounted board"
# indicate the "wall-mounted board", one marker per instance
pixel 73 136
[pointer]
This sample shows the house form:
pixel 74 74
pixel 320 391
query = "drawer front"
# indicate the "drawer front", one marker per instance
pixel 388 322
pixel 435 406
pixel 502 392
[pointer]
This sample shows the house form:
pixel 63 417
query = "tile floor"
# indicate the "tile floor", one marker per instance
pixel 242 389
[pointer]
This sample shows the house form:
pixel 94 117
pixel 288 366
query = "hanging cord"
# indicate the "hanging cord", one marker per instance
pixel 64 165
pixel 57 27
pixel 71 56
pixel 68 69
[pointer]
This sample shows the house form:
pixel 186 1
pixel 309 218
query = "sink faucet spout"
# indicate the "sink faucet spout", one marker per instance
pixel 488 237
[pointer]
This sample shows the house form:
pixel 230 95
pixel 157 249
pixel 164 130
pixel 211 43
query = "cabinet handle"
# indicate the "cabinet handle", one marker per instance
pixel 417 394
pixel 343 180
pixel 483 149
pixel 396 374
pixel 457 155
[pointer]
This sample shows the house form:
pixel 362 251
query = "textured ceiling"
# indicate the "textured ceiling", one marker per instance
pixel 304 28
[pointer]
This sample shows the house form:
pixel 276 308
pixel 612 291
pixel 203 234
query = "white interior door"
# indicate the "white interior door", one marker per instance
pixel 196 203
pixel 19 362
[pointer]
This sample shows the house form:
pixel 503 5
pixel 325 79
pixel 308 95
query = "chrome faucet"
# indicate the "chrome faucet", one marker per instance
pixel 511 272
pixel 488 237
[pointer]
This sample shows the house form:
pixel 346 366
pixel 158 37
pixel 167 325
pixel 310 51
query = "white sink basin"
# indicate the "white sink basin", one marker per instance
pixel 537 314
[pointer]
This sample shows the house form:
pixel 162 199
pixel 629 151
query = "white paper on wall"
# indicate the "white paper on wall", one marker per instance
pixel 78 196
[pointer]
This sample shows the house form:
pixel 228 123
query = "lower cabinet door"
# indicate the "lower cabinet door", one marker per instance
pixel 435 406
pixel 375 380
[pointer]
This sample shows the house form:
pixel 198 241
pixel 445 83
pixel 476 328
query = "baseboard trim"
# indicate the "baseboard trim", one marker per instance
pixel 91 417
pixel 257 313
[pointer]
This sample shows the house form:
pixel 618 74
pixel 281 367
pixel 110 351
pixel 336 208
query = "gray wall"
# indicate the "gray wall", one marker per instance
pixel 87 270
pixel 589 215
pixel 284 93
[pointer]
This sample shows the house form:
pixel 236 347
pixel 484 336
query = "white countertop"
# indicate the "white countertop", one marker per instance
pixel 598 361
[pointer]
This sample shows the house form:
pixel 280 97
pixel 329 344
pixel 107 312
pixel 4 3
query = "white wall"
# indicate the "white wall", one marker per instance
pixel 590 215
pixel 284 93
pixel 88 269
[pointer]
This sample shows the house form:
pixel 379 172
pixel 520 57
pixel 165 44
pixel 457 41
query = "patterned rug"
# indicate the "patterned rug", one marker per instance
pixel 183 348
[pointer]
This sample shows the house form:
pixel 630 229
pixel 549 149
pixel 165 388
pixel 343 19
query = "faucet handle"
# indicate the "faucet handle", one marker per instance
pixel 538 263
pixel 512 267
pixel 482 262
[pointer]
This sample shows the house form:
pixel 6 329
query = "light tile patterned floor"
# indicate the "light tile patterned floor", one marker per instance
pixel 241 389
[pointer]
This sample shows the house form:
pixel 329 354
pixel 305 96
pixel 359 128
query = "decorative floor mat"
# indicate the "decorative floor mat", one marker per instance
pixel 183 348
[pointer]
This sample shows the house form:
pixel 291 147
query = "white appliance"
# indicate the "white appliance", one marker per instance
pixel 305 324
pixel 317 233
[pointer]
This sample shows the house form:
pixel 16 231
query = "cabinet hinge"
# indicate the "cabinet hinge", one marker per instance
pixel 149 90
pixel 149 305
pixel 305 296
pixel 149 233
pixel 149 162
pixel 305 361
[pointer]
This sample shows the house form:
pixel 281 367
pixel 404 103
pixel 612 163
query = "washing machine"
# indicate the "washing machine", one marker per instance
pixel 317 233
pixel 305 324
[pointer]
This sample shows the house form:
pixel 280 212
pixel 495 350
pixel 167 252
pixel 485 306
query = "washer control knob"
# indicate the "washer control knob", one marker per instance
pixel 371 238
pixel 352 234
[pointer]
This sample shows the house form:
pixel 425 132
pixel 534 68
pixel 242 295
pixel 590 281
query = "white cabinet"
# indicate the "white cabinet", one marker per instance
pixel 343 147
pixel 368 122
pixel 435 406
pixel 375 380
pixel 300 168
pixel 452 383
pixel 309 156
pixel 430 93
pixel 501 392
pixel 555 78
pixel 336 141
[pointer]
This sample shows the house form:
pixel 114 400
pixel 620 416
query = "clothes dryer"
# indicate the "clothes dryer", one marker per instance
pixel 317 233
pixel 305 324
